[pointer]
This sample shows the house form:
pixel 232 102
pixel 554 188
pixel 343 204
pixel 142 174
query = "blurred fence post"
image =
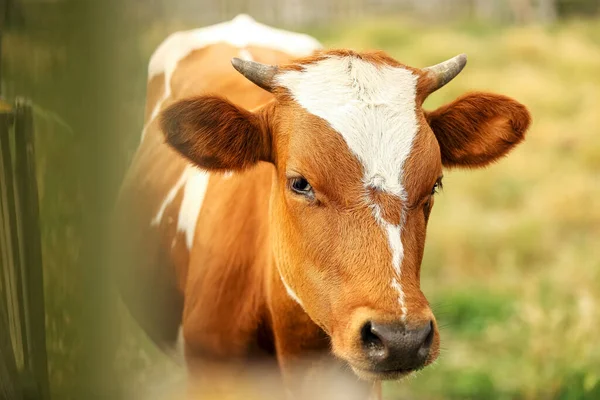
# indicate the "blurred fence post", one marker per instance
pixel 24 362
pixel 31 246
pixel 9 377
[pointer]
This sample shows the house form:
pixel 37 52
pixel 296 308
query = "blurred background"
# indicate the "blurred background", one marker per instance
pixel 512 261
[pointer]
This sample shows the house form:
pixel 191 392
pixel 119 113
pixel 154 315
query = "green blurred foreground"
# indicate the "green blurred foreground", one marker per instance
pixel 512 262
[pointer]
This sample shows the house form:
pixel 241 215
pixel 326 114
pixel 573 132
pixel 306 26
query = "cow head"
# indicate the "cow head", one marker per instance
pixel 358 162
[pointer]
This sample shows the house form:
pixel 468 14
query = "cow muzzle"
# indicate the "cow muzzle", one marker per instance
pixel 395 349
pixel 392 349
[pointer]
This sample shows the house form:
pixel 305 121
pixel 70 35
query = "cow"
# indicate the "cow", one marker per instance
pixel 277 205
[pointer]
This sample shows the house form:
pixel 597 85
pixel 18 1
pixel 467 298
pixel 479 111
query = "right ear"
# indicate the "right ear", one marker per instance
pixel 215 134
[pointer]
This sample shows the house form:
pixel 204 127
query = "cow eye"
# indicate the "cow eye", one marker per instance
pixel 438 186
pixel 300 185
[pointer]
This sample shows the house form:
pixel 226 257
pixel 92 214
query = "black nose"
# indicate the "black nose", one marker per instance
pixel 393 347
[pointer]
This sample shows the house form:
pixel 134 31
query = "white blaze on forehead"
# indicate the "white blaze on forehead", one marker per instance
pixel 373 107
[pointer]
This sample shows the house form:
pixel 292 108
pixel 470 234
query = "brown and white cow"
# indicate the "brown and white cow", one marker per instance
pixel 285 215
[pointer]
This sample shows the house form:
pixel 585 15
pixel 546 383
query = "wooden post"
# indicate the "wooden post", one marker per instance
pixel 10 387
pixel 23 359
pixel 31 250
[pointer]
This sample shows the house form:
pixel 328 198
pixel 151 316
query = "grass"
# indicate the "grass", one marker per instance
pixel 512 262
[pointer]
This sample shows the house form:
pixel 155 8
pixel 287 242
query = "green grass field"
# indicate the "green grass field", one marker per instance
pixel 512 262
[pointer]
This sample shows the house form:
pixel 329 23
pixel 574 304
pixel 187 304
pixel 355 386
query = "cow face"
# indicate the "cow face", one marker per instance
pixel 358 162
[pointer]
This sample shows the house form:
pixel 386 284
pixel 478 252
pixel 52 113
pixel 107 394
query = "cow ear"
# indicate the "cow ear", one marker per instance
pixel 478 128
pixel 215 134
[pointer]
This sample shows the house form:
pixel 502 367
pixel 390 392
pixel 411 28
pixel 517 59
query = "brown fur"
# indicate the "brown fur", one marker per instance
pixel 478 128
pixel 215 134
pixel 253 231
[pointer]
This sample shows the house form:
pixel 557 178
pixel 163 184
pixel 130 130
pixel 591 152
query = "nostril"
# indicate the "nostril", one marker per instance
pixel 371 341
pixel 369 338
pixel 423 351
pixel 429 338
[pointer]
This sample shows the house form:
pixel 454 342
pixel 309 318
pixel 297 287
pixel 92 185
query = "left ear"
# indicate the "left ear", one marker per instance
pixel 478 128
pixel 215 134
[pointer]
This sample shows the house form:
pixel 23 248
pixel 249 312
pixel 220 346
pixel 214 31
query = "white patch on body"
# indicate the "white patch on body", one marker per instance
pixel 194 182
pixel 242 31
pixel 373 107
pixel 193 197
pixel 169 198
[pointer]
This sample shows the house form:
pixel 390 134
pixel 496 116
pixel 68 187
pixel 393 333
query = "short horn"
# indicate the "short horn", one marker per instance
pixel 444 72
pixel 260 74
